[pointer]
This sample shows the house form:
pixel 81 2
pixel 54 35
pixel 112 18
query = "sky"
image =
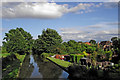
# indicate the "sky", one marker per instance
pixel 79 21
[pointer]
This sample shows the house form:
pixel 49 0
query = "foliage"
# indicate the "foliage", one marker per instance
pixel 4 50
pixel 79 57
pixel 20 57
pixel 116 46
pixel 90 49
pixel 5 55
pixel 92 41
pixel 18 41
pixel 75 58
pixel 48 42
pixel 45 55
pixel 84 53
pixel 10 67
pixel 108 54
pixel 60 62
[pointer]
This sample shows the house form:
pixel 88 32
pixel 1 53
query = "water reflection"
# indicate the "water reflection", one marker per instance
pixel 26 69
pixel 35 67
pixel 35 73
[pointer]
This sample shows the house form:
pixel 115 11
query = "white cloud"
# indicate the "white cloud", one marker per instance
pixel 110 4
pixel 43 10
pixel 86 34
pixel 60 0
pixel 34 10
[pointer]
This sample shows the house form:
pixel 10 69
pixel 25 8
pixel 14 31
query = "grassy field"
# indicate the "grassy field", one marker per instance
pixel 60 62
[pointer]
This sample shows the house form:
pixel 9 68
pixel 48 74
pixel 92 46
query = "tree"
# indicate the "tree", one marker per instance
pixel 48 42
pixel 90 49
pixel 114 38
pixel 92 41
pixel 108 54
pixel 116 47
pixel 18 41
pixel 116 44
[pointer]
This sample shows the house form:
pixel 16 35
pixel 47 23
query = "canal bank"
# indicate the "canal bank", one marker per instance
pixel 11 65
pixel 36 67
pixel 60 63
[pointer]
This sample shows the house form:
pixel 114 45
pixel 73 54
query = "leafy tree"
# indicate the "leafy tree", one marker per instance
pixel 114 38
pixel 92 41
pixel 48 42
pixel 108 54
pixel 116 44
pixel 90 49
pixel 18 41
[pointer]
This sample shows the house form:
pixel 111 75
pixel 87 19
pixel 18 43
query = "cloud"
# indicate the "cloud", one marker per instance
pixel 104 24
pixel 86 34
pixel 34 10
pixel 113 23
pixel 112 4
pixel 60 0
pixel 43 10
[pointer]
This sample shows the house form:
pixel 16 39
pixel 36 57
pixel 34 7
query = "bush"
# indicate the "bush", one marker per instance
pixel 75 58
pixel 64 53
pixel 79 57
pixel 45 55
pixel 116 65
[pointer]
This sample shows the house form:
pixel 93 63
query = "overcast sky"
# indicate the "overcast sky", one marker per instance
pixel 78 21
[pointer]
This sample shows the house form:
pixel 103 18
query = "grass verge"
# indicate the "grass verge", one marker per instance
pixel 60 62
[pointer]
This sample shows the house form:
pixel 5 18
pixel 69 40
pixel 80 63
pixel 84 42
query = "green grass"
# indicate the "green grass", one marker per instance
pixel 60 62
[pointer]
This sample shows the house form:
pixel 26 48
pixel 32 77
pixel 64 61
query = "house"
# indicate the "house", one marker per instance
pixel 57 56
pixel 62 57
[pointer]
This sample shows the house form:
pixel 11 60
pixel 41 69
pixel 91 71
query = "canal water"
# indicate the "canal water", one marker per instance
pixel 34 67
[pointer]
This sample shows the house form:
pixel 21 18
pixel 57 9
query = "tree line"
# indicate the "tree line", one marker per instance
pixel 19 41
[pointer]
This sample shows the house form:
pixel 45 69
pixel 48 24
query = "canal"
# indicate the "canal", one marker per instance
pixel 34 67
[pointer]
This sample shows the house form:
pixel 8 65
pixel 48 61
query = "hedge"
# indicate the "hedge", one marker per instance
pixel 75 58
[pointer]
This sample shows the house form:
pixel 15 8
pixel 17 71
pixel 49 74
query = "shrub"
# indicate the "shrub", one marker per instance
pixel 75 58
pixel 116 65
pixel 79 57
pixel 44 55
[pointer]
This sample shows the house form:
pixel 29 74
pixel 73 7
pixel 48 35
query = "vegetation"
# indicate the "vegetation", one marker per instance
pixel 48 42
pixel 60 62
pixel 45 55
pixel 17 41
pixel 20 57
pixel 4 55
pixel 75 58
pixel 92 41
